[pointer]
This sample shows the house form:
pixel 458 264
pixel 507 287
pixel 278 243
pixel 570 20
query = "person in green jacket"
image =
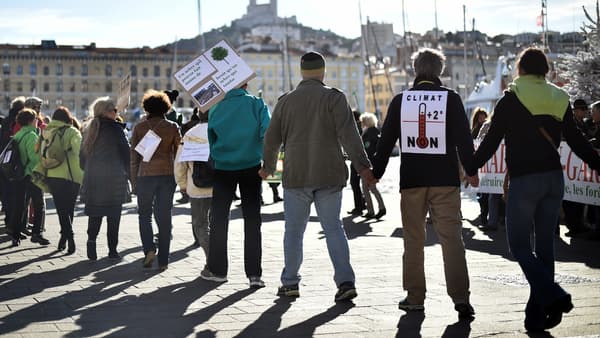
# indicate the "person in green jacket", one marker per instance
pixel 65 179
pixel 24 189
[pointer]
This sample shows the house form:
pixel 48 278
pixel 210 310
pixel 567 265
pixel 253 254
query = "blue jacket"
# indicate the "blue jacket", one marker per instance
pixel 236 128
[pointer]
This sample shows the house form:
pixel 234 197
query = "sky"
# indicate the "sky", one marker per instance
pixel 131 23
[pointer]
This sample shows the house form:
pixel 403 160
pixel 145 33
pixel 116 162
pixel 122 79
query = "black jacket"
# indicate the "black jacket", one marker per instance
pixel 370 139
pixel 527 150
pixel 106 168
pixel 426 170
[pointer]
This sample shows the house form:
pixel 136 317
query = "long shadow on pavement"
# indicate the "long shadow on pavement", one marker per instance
pixel 307 328
pixel 269 322
pixel 410 324
pixel 109 280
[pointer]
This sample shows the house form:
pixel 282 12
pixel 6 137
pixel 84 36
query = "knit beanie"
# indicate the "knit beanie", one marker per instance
pixel 312 64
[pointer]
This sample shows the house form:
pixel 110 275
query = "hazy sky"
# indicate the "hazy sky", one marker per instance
pixel 129 23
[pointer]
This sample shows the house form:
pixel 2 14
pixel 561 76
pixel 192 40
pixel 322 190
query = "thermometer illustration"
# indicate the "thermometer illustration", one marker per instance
pixel 422 141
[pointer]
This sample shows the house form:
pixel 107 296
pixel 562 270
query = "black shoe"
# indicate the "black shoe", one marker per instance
pixel 38 238
pixel 355 212
pixel 369 215
pixel 62 243
pixel 16 242
pixel 183 200
pixel 114 255
pixel 70 245
pixel 345 292
pixel 21 236
pixel 465 310
pixel 276 199
pixel 91 250
pixel 555 310
pixel 381 213
pixel 288 291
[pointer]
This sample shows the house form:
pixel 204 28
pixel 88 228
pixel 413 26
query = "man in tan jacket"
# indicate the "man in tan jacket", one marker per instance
pixel 314 122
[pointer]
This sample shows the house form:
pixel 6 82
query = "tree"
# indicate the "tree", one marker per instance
pixel 583 69
pixel 219 54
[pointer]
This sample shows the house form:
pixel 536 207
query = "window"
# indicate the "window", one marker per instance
pixel 134 86
pixel 6 69
pixel 20 70
pixel 46 87
pixel 145 87
pixel 32 86
pixel 120 72
pixel 20 87
pixel 59 69
pixel 168 72
pixel 6 85
pixel 156 71
pixel 145 72
pixel 108 87
pixel 84 86
pixel 59 86
pixel 84 70
pixel 108 70
pixel 72 90
pixel 32 69
pixel 72 72
pixel 133 70
pixel 46 70
pixel 85 104
pixel 157 85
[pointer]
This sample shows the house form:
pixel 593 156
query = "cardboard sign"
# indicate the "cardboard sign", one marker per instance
pixel 124 93
pixel 212 74
pixel 423 122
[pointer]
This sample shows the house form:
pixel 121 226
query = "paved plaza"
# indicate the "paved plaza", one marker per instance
pixel 45 293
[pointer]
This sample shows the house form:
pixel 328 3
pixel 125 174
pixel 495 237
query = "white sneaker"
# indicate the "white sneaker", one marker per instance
pixel 256 282
pixel 207 275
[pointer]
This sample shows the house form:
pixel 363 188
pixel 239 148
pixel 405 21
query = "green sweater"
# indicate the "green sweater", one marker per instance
pixel 27 138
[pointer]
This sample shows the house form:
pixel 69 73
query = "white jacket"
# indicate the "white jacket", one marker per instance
pixel 183 170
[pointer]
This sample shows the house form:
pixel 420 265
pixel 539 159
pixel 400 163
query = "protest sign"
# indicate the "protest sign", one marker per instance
pixel 423 125
pixel 124 93
pixel 212 74
pixel 582 184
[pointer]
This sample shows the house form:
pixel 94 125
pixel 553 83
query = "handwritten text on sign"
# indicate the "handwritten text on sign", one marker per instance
pixel 582 184
pixel 423 122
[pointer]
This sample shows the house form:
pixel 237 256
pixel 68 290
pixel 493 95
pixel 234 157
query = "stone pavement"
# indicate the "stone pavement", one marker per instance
pixel 44 293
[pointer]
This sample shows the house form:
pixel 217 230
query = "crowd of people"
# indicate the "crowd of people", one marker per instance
pixel 316 128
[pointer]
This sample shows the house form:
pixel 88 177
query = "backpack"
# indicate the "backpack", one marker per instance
pixel 52 152
pixel 10 161
pixel 203 173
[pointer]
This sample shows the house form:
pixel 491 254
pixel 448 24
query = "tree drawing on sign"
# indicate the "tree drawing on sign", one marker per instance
pixel 219 54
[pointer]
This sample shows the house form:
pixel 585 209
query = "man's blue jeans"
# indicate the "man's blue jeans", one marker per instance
pixel 155 194
pixel 328 201
pixel 532 210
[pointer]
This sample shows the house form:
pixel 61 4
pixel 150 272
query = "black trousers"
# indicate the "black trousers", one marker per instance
pixel 359 200
pixel 23 191
pixel 112 232
pixel 64 193
pixel 223 190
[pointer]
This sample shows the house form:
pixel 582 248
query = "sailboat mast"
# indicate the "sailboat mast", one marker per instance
pixel 366 57
pixel 466 75
pixel 202 42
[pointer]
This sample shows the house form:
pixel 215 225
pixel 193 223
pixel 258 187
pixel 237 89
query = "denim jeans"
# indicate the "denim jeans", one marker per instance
pixel 225 182
pixel 532 210
pixel 155 194
pixel 328 201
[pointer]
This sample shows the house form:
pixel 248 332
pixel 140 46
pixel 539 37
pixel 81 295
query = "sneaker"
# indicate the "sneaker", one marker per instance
pixel 149 259
pixel 465 310
pixel 288 291
pixel 207 275
pixel 256 282
pixel 37 238
pixel 406 306
pixel 346 291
